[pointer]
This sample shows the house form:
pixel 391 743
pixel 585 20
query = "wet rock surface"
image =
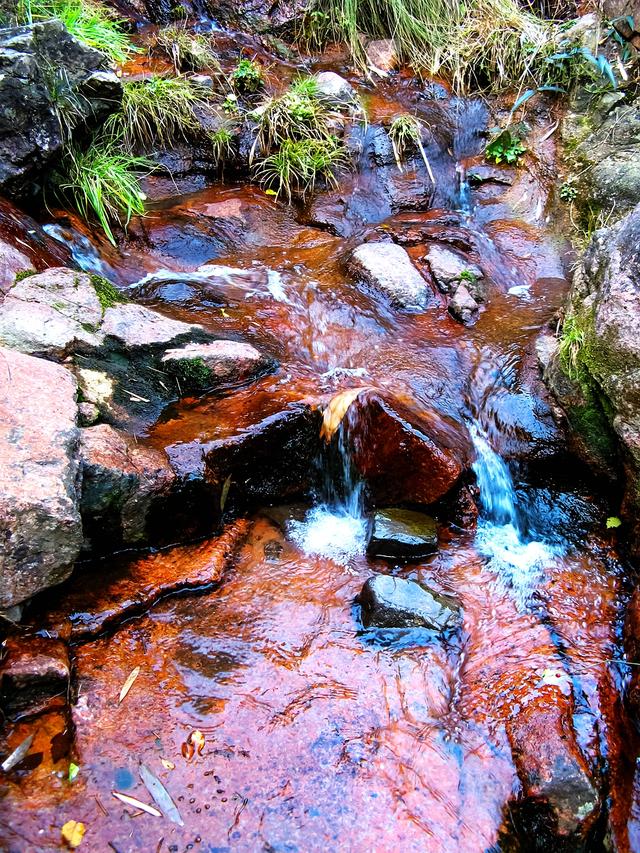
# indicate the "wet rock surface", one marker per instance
pixel 32 671
pixel 403 534
pixel 31 132
pixel 219 363
pixel 388 268
pixel 391 602
pixel 39 467
pixel 25 246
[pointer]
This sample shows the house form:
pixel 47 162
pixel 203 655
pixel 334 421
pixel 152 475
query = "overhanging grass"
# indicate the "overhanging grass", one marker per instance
pixel 157 110
pixel 298 165
pixel 88 20
pixel 188 51
pixel 103 181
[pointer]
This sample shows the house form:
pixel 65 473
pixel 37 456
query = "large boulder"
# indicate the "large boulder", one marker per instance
pixel 40 521
pixel 42 68
pixel 387 268
pixel 595 372
pixel 221 363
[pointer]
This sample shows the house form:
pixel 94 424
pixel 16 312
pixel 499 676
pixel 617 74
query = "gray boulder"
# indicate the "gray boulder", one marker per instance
pixel 402 534
pixel 43 70
pixel 40 522
pixel 390 602
pixel 462 305
pixel 449 268
pixel 387 267
pixel 335 89
pixel 215 364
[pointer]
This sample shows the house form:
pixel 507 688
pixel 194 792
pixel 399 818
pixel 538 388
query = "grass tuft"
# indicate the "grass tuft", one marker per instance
pixel 187 51
pixel 103 181
pixel 572 340
pixel 157 110
pixel 405 133
pixel 89 21
pixel 298 165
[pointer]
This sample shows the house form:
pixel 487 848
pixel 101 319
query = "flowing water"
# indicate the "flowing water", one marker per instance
pixel 321 734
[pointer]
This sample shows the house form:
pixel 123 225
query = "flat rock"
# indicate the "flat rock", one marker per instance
pixel 462 305
pixel 219 363
pixel 391 602
pixel 122 481
pixel 335 89
pixel 39 503
pixel 403 534
pixel 449 268
pixel 388 268
pixel 51 313
pixel 135 326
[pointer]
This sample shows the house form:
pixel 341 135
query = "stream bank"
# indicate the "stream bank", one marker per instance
pixel 333 380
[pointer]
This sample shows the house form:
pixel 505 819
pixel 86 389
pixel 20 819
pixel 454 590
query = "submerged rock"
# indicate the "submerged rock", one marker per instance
pixel 34 670
pixel 219 363
pixel 391 602
pixel 402 534
pixel 388 268
pixel 40 522
pixel 449 268
pixel 41 66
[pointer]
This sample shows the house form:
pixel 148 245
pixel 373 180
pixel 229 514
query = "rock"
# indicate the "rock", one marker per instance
pixel 88 414
pixel 335 89
pixel 483 173
pixel 34 62
pixel 402 534
pixel 388 268
pixel 52 313
pixel 601 394
pixel 122 481
pixel 40 521
pixel 134 326
pixel 25 246
pixel 462 305
pixel 390 602
pixel 450 268
pixel 220 363
pixel 382 55
pixel 34 669
pixel 405 455
pixel 552 770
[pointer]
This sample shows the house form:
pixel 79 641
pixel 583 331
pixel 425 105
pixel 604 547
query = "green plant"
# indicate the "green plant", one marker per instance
pixel 158 109
pixel 405 133
pixel 193 372
pixel 467 275
pixel 568 190
pixel 505 147
pixel 230 104
pixel 572 340
pixel 297 165
pixel 107 294
pixel 88 20
pixel 298 113
pixel 24 274
pixel 246 77
pixel 70 106
pixel 188 51
pixel 221 144
pixel 104 180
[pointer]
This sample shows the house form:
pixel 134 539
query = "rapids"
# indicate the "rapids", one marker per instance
pixel 321 734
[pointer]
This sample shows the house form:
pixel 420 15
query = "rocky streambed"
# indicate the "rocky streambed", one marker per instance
pixel 292 524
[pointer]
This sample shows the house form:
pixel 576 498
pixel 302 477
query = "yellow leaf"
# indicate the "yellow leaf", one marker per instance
pixel 126 687
pixel 336 410
pixel 73 832
pixel 168 765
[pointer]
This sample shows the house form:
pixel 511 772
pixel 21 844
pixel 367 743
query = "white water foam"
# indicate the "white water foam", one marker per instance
pixel 330 533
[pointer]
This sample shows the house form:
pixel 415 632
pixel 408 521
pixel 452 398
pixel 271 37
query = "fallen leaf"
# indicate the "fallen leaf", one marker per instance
pixel 136 804
pixel 161 796
pixel 17 755
pixel 336 410
pixel 225 492
pixel 168 765
pixel 126 687
pixel 195 742
pixel 73 832
pixel 73 771
pixel 613 521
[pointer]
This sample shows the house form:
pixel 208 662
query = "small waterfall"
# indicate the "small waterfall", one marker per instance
pixel 336 527
pixel 497 493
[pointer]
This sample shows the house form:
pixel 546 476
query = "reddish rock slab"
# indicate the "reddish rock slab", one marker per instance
pixel 25 246
pixel 33 670
pixel 88 605
pixel 40 525
pixel 405 454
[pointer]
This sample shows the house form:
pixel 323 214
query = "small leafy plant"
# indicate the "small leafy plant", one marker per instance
pixel 568 190
pixel 104 181
pixel 506 147
pixel 222 144
pixel 405 133
pixel 467 275
pixel 246 77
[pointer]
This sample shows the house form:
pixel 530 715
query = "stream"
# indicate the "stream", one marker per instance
pixel 320 733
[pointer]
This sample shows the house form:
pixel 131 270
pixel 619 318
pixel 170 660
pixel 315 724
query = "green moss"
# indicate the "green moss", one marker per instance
pixel 192 373
pixel 106 292
pixel 24 274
